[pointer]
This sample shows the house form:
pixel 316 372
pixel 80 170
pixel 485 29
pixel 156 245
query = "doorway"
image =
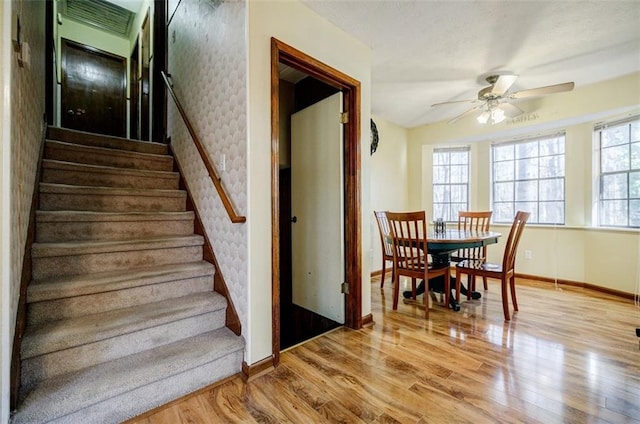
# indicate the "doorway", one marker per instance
pixel 93 91
pixel 283 54
pixel 134 87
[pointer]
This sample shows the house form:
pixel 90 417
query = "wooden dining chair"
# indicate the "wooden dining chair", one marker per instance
pixel 386 244
pixel 473 221
pixel 505 272
pixel 410 255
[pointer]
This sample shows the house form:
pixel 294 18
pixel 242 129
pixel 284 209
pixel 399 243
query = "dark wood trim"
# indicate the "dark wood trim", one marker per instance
pixel 49 61
pixel 219 283
pixel 285 54
pixel 250 372
pixel 217 182
pixel 580 284
pixel 367 320
pixel 159 96
pixel 25 279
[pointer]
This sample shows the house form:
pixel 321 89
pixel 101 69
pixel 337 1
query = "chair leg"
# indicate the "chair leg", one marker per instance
pixel 505 299
pixel 484 280
pixel 447 290
pixel 512 284
pixel 396 288
pixel 393 274
pixel 384 272
pixel 426 297
pixel 458 276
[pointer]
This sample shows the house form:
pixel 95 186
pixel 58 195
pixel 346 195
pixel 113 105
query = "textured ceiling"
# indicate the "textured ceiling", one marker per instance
pixel 426 52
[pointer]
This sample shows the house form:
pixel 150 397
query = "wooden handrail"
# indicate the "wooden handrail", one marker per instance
pixel 235 218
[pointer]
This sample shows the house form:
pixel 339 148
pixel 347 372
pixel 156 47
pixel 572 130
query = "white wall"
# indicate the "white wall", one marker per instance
pixel 389 189
pixel 5 259
pixel 576 251
pixel 293 23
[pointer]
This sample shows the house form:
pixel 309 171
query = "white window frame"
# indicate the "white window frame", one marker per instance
pixel 599 174
pixel 534 219
pixel 451 216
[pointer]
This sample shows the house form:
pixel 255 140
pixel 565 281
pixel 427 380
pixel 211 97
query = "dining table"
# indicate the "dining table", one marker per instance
pixel 441 244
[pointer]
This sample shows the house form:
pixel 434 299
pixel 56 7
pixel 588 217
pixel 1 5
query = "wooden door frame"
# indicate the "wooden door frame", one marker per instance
pixel 285 54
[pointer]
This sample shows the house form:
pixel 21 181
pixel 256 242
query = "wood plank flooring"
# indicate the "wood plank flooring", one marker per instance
pixel 569 355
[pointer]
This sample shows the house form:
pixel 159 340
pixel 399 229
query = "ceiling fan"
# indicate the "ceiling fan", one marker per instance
pixel 494 100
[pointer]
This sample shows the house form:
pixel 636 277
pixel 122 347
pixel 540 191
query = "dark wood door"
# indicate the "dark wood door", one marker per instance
pixel 134 94
pixel 145 86
pixel 93 90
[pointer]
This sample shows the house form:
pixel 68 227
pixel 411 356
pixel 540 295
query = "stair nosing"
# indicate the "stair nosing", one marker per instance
pixel 67 333
pixel 61 165
pixel 69 130
pixel 43 216
pixel 108 150
pixel 132 372
pixel 67 286
pixel 114 191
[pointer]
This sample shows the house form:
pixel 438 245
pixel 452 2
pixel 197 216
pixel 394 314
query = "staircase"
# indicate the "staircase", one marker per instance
pixel 121 316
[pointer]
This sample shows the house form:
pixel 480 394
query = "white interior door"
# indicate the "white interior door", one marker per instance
pixel 317 189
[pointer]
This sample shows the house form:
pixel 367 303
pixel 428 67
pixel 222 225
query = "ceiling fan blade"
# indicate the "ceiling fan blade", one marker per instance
pixel 454 102
pixel 463 114
pixel 542 91
pixel 503 83
pixel 511 110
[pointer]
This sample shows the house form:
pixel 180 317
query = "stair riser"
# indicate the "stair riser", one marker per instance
pixel 51 232
pixel 121 407
pixel 89 139
pixel 117 159
pixel 41 312
pixel 49 267
pixel 56 363
pixel 111 203
pixel 99 179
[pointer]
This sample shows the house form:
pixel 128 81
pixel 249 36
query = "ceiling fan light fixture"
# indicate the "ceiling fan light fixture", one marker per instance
pixel 493 115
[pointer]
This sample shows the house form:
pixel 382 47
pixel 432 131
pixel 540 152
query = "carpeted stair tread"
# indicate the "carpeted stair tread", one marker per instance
pixel 104 173
pixel 109 191
pixel 89 216
pixel 66 333
pixel 108 141
pixel 86 284
pixel 44 250
pixel 59 150
pixel 58 397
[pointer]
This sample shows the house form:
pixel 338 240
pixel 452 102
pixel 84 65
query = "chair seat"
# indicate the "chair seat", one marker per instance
pixel 482 266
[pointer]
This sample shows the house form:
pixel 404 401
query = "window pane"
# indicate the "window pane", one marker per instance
pixel 614 186
pixel 440 175
pixel 552 146
pixel 552 190
pixel 440 193
pixel 504 152
pixel 503 192
pixel 635 156
pixel 531 207
pixel 527 169
pixel 615 135
pixel 503 212
pixel 439 210
pixel 453 211
pixel 503 171
pixel 526 190
pixel 634 215
pixel 440 158
pixel 459 174
pixel 459 193
pixel 459 158
pixel 527 150
pixel 635 131
pixel 615 158
pixel 614 212
pixel 551 213
pixel 551 166
pixel 634 185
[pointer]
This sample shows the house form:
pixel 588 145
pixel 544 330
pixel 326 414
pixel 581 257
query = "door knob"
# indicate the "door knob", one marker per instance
pixel 294 219
pixel 70 112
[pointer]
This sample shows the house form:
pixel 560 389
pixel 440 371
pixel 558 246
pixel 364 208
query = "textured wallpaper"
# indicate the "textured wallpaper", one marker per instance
pixel 207 60
pixel 27 111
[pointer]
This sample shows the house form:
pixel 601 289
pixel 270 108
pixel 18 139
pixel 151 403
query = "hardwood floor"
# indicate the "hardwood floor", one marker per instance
pixel 568 356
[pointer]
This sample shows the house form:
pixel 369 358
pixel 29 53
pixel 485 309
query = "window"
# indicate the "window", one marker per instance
pixel 619 176
pixel 450 182
pixel 528 175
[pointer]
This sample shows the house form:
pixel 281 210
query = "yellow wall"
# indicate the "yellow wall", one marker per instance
pixel 296 25
pixel 5 259
pixel 575 251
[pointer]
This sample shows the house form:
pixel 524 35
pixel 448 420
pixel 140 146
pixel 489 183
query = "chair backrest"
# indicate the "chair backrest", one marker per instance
pixel 409 235
pixel 474 221
pixel 385 233
pixel 509 258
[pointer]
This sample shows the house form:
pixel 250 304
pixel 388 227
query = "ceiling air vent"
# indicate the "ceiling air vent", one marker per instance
pixel 99 14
